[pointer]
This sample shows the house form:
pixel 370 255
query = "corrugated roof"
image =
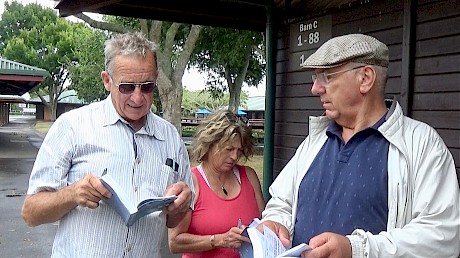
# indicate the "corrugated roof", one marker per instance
pixel 66 97
pixel 11 99
pixel 17 78
pixel 11 67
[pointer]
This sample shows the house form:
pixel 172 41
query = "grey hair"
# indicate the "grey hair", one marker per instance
pixel 220 128
pixel 381 78
pixel 128 44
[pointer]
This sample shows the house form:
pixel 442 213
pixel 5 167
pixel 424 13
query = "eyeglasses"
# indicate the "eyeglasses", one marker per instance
pixel 128 87
pixel 234 118
pixel 323 77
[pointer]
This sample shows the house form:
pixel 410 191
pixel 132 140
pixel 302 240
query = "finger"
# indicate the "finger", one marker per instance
pixel 97 188
pixel 91 204
pixel 182 203
pixel 318 240
pixel 318 252
pixel 283 235
pixel 176 188
pixel 85 194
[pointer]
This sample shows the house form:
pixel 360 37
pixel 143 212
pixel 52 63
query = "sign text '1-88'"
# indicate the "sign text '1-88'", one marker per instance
pixel 313 38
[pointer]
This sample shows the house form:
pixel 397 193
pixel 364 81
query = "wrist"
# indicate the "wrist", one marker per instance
pixel 212 240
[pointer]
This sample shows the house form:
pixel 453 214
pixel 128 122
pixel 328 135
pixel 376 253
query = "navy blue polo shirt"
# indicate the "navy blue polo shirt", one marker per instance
pixel 346 186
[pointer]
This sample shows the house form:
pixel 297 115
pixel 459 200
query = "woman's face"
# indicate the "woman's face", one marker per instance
pixel 225 158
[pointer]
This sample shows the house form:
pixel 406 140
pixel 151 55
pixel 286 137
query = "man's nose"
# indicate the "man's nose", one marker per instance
pixel 137 94
pixel 317 88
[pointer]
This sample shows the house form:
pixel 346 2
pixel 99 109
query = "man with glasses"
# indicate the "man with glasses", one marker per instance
pixel 119 136
pixel 367 181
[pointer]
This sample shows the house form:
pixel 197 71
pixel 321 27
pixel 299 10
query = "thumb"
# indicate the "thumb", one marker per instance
pixel 284 237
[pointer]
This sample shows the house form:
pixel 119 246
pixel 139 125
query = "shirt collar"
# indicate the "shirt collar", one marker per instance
pixel 336 129
pixel 151 126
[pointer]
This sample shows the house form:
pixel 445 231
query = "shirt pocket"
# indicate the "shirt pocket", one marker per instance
pixel 169 174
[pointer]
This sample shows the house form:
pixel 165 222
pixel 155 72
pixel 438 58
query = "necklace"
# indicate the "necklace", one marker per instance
pixel 221 185
pixel 223 189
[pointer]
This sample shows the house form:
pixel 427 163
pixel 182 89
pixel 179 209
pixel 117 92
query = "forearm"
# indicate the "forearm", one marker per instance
pixel 190 243
pixel 172 220
pixel 47 207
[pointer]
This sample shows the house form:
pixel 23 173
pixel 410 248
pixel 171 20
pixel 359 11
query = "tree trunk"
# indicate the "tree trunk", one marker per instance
pixel 171 99
pixel 170 76
pixel 234 88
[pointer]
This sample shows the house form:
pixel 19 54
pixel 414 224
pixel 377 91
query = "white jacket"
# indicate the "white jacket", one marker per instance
pixel 423 192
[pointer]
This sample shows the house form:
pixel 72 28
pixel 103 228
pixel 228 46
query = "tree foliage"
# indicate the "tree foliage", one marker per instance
pixel 85 71
pixel 37 37
pixel 230 57
pixel 16 17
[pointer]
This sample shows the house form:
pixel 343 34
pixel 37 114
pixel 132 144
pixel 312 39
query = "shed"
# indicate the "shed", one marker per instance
pixel 68 100
pixel 15 80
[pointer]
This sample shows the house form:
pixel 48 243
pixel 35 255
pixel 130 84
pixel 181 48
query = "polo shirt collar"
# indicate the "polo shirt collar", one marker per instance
pixel 336 129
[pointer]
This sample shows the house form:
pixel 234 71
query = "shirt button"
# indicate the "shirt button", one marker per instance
pixel 136 188
pixel 138 160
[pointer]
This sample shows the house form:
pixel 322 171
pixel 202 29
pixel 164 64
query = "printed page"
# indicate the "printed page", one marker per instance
pixel 273 245
pixel 266 245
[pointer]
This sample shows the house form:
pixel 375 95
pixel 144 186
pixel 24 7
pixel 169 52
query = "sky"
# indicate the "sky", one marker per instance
pixel 192 79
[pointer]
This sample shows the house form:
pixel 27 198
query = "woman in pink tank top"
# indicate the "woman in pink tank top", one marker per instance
pixel 227 195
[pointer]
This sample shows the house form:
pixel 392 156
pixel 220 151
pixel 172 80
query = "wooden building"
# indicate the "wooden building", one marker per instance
pixel 424 72
pixel 423 37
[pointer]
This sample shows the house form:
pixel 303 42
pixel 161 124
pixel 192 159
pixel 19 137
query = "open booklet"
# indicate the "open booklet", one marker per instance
pixel 126 208
pixel 267 244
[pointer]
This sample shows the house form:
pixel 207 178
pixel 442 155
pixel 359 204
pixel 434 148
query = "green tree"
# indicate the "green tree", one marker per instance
pixel 16 17
pixel 85 70
pixel 230 57
pixel 49 45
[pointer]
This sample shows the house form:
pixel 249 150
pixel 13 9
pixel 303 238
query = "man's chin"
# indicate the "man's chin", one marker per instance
pixel 330 114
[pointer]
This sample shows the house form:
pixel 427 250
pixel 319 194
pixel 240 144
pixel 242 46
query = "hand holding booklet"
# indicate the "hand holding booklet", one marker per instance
pixel 267 244
pixel 125 207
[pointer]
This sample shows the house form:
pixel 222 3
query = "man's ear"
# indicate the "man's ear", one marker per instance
pixel 106 80
pixel 368 75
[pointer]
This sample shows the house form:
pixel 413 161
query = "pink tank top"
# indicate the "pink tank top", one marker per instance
pixel 214 215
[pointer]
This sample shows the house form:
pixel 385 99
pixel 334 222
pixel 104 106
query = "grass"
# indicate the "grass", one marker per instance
pixel 256 162
pixel 42 126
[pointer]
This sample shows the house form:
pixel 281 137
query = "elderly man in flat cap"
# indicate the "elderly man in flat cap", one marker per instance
pixel 367 181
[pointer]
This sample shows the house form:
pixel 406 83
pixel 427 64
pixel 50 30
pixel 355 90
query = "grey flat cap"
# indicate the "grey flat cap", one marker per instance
pixel 357 48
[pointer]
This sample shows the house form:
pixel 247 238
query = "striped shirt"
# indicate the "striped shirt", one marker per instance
pixel 91 139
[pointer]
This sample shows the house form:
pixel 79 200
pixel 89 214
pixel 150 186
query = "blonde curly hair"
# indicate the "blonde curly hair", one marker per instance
pixel 219 128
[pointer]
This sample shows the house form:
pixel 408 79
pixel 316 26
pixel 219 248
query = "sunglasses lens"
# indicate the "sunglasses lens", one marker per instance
pixel 148 87
pixel 126 88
